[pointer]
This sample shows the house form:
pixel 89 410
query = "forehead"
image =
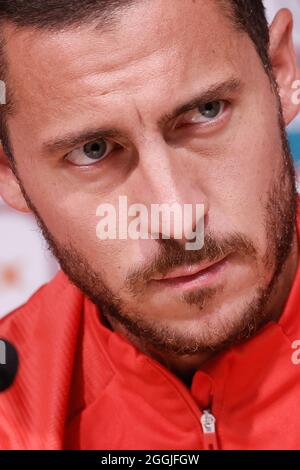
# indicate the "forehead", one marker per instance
pixel 153 49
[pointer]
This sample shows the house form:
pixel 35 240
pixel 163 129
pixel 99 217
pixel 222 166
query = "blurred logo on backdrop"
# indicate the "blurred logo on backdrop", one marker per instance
pixel 25 262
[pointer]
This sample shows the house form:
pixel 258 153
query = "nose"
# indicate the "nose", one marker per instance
pixel 169 185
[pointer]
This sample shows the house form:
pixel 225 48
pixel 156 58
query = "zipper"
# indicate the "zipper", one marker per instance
pixel 207 430
pixel 208 423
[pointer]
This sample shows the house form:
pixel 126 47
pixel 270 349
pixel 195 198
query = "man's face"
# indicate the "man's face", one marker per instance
pixel 228 155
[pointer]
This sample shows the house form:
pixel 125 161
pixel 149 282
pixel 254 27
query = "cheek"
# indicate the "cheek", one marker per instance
pixel 70 217
pixel 111 259
pixel 248 165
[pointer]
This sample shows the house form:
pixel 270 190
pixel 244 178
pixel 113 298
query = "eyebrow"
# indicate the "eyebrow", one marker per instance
pixel 216 91
pixel 73 140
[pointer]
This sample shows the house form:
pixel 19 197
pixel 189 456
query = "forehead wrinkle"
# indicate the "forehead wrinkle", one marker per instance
pixel 118 46
pixel 169 60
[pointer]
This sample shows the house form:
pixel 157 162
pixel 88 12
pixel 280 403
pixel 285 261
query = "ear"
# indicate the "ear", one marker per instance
pixel 284 62
pixel 9 187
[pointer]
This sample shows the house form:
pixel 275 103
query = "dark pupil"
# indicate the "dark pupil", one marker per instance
pixel 95 150
pixel 211 110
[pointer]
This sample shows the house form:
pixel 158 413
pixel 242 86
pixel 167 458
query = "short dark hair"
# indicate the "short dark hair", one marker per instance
pixel 246 15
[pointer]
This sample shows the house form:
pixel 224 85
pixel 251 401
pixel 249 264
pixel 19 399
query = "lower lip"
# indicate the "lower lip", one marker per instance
pixel 201 279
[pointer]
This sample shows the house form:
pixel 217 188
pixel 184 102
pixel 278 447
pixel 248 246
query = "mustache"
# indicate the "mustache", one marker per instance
pixel 172 254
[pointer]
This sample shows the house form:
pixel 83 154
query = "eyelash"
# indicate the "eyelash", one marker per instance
pixel 213 122
pixel 117 147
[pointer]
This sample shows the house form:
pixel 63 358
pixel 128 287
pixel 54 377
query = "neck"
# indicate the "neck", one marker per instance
pixel 185 366
pixel 284 284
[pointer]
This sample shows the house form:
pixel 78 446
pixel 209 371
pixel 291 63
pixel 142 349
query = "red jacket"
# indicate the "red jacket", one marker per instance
pixel 82 386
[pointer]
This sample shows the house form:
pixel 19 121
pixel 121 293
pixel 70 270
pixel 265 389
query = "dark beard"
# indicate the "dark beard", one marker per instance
pixel 280 225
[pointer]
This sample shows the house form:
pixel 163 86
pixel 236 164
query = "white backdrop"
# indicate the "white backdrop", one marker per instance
pixel 25 263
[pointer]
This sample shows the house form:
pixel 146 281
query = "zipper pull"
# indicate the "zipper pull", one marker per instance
pixel 208 423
